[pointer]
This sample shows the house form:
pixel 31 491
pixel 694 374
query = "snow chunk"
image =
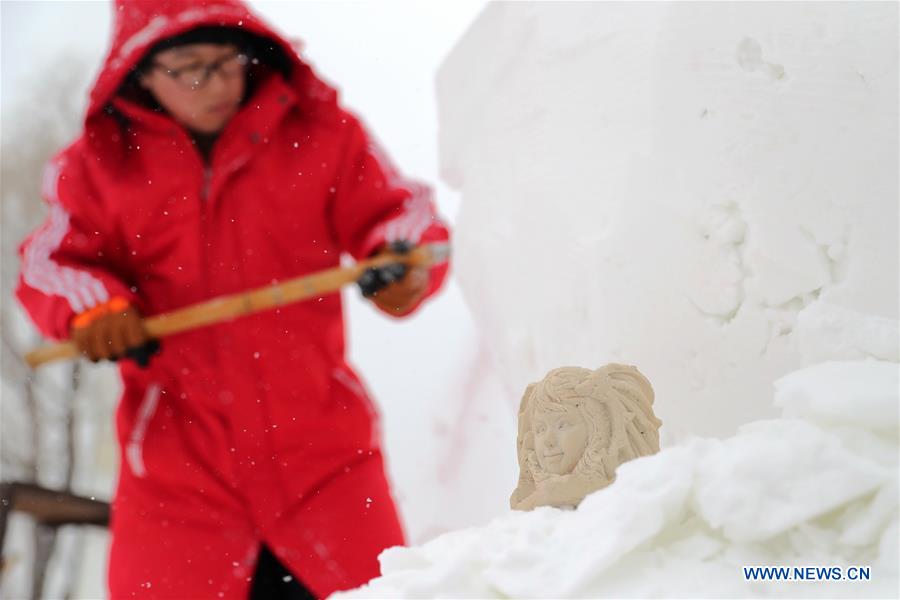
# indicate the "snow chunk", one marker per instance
pixel 775 475
pixel 862 394
pixel 830 332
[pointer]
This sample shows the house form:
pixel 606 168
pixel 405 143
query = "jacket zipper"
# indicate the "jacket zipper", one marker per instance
pixel 207 179
pixel 204 239
pixel 205 189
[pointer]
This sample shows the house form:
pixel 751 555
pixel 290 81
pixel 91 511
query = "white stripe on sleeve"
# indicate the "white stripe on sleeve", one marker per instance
pixel 79 288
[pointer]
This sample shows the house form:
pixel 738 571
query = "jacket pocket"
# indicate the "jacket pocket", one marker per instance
pixel 134 450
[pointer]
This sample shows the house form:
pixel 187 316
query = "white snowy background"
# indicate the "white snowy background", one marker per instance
pixel 708 191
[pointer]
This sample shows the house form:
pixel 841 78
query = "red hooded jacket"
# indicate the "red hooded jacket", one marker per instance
pixel 256 430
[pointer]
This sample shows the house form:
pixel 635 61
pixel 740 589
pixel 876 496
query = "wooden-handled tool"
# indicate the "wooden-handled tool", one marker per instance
pixel 225 308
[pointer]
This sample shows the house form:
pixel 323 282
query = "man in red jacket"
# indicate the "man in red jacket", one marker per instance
pixel 212 161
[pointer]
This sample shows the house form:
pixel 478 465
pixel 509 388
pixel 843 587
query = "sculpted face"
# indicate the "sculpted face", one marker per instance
pixel 560 439
pixel 576 426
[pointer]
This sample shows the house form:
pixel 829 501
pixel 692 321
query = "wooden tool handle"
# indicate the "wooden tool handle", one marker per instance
pixel 52 353
pixel 225 308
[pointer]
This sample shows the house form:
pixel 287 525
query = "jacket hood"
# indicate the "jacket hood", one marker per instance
pixel 139 24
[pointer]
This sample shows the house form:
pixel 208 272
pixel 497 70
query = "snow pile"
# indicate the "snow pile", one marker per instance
pixel 708 191
pixel 816 487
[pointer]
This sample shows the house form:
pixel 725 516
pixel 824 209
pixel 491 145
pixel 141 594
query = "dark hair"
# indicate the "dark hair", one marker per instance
pixel 262 49
pixel 266 56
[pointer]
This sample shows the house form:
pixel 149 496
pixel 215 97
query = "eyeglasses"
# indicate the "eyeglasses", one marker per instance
pixel 196 76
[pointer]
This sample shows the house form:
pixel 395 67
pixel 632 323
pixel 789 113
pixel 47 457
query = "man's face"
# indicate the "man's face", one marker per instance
pixel 178 80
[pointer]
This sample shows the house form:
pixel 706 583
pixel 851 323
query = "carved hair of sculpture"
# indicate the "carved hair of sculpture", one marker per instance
pixel 602 419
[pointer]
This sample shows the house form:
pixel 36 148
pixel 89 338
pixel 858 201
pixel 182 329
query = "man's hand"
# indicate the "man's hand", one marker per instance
pixel 112 331
pixel 400 296
pixel 395 288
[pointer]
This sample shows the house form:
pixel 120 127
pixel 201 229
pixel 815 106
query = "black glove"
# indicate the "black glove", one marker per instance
pixel 377 278
pixel 142 354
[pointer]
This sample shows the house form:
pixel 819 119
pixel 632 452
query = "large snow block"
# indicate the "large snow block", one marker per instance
pixel 675 186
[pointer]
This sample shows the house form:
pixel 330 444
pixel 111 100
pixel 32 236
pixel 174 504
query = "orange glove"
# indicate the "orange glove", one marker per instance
pixel 112 330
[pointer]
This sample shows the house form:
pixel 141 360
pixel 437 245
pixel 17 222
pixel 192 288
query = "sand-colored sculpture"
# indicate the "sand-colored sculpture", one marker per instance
pixel 576 426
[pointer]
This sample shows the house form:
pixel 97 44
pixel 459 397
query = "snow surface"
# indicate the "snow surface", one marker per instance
pixel 816 487
pixel 708 191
